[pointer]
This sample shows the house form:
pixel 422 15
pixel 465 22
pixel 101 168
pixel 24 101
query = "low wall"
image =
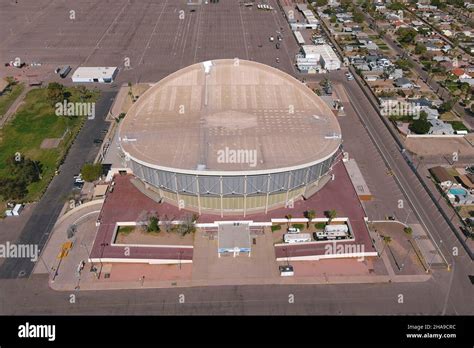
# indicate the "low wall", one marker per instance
pixel 149 261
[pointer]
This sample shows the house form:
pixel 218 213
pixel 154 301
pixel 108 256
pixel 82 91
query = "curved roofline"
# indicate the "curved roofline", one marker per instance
pixel 301 87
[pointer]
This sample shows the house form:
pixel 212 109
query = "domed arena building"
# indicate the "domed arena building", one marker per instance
pixel 230 137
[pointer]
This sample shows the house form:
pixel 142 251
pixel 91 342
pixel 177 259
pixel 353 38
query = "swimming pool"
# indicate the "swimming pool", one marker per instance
pixel 458 191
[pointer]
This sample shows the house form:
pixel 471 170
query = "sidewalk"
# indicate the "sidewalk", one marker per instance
pixel 98 285
pixel 14 107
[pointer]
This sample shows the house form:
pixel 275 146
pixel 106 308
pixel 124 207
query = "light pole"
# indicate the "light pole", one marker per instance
pixel 180 255
pixel 404 259
pixel 103 245
pixel 89 256
pixel 46 266
pixel 432 258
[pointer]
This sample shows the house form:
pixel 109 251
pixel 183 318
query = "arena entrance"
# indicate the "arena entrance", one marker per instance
pixel 233 239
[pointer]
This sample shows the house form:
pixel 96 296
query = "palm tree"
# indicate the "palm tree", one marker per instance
pixel 310 215
pixel 289 217
pixel 386 241
pixel 408 230
pixel 331 214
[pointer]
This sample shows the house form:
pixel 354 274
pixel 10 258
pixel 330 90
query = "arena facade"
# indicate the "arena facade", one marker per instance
pixel 230 137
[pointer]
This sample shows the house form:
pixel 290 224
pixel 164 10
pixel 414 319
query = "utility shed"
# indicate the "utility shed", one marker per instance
pixel 95 74
pixel 234 238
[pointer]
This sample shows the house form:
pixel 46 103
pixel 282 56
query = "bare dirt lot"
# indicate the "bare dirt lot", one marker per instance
pixel 139 236
pixel 439 147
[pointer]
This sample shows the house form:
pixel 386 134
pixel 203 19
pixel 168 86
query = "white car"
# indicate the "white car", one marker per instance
pixel 293 230
pixel 349 77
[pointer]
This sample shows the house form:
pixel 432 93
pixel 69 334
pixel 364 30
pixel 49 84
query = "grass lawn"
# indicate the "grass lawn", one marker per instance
pixel 126 229
pixel 9 96
pixel 34 122
pixel 458 126
pixel 448 116
pixel 466 211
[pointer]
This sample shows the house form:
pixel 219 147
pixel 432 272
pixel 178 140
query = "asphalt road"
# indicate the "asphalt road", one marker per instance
pixel 40 224
pixel 33 297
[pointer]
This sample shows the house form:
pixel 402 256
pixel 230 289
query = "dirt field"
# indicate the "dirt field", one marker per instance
pixel 138 236
pixel 428 147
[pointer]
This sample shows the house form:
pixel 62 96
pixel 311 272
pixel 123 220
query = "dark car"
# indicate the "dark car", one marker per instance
pixel 98 141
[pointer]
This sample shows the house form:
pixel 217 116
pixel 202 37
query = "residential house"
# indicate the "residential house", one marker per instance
pixel 439 127
pixel 403 83
pixel 460 73
pixel 442 177
pixel 395 74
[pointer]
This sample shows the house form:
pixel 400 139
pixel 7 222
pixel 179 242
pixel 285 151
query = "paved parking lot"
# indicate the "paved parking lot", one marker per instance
pixel 155 37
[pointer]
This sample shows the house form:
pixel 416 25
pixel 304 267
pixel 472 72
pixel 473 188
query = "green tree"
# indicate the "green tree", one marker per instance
pixel 420 125
pixel 406 35
pixel 10 80
pixel 333 19
pixel 346 4
pixel 24 169
pixel 446 106
pixel 153 224
pixel 404 64
pixel 91 171
pixel 420 48
pixel 321 2
pixel 386 241
pixel 408 231
pixel 55 93
pixel 288 217
pixel 395 6
pixel 438 4
pixel 12 189
pixel 310 215
pixel 330 214
pixel 465 89
pixel 358 17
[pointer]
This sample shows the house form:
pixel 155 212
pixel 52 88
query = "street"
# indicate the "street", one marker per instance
pixel 40 224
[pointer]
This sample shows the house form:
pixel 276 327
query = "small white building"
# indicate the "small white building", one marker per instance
pixel 299 37
pixel 328 58
pixel 95 74
pixel 16 211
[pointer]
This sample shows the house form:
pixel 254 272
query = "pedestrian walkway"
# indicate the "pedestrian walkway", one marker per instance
pixel 14 107
pixel 146 284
